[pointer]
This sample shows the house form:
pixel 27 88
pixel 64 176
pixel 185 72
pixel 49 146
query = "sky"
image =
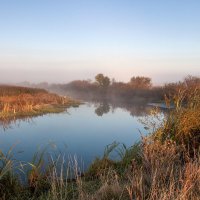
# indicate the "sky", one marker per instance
pixel 61 40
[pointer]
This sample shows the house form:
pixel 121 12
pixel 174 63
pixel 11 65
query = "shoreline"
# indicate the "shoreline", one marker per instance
pixel 40 110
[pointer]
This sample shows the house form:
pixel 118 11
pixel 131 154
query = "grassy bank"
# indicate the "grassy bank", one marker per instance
pixel 165 165
pixel 22 101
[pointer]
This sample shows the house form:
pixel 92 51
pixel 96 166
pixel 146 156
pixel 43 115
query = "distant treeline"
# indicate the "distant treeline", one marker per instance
pixel 139 88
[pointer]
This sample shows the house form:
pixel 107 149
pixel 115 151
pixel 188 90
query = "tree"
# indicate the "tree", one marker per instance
pixel 102 109
pixel 192 82
pixel 140 82
pixel 103 81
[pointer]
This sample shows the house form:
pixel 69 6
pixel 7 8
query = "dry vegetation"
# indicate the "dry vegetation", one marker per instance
pixel 164 165
pixel 21 101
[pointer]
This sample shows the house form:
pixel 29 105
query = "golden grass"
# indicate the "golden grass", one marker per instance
pixel 27 101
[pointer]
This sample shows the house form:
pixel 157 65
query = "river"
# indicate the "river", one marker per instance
pixel 83 131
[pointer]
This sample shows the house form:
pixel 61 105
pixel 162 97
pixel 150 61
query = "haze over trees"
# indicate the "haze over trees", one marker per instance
pixel 103 88
pixel 140 82
pixel 138 88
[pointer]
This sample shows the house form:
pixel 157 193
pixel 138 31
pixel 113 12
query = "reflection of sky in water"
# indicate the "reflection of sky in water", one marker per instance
pixel 80 129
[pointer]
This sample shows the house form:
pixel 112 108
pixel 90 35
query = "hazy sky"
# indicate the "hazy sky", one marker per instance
pixel 62 40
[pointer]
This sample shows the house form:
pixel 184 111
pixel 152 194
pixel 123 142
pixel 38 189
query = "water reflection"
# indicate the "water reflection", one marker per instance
pixel 102 108
pixel 6 123
pixel 135 109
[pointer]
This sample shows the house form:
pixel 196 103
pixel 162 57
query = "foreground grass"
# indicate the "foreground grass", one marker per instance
pixel 20 102
pixel 164 165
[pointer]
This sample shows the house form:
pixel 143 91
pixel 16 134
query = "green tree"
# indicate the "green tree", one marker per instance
pixel 103 81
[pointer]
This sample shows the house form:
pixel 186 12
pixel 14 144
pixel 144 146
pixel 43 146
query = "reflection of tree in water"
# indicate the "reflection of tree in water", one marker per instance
pixel 138 110
pixel 135 109
pixel 103 108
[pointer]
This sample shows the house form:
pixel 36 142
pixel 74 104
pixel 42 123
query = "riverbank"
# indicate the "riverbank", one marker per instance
pixel 16 102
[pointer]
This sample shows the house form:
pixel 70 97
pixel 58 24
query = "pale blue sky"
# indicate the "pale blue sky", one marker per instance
pixel 62 40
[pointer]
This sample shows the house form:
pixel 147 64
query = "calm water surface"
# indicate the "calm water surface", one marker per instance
pixel 84 131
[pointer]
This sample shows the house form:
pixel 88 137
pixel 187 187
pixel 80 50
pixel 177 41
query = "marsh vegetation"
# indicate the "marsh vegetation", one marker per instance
pixel 22 101
pixel 163 165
